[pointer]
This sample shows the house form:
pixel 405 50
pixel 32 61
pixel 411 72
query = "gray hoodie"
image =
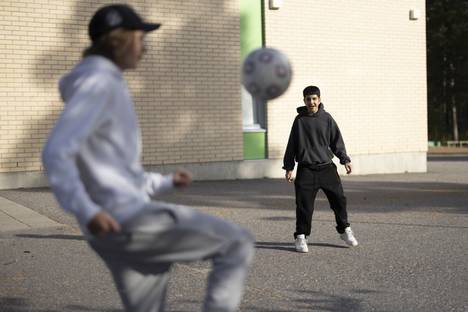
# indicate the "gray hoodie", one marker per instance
pixel 92 156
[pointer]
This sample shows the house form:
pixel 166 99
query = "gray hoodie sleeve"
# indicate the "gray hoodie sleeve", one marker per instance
pixel 337 145
pixel 81 116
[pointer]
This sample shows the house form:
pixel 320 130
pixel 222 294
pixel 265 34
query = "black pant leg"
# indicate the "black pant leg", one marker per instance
pixel 306 189
pixel 330 183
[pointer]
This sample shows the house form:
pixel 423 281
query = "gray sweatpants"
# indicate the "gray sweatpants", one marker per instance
pixel 140 257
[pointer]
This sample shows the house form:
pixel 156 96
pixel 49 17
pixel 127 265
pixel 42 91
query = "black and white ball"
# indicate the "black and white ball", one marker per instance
pixel 266 73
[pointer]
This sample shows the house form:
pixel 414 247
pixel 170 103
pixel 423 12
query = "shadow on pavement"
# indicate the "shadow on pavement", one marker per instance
pixel 321 301
pixel 406 224
pixel 362 196
pixel 53 236
pixel 16 304
pixel 279 218
pixel 275 246
pixel 289 245
pixel 183 302
pixel 451 157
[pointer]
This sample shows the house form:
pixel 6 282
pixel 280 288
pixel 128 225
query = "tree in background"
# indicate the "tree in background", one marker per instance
pixel 447 60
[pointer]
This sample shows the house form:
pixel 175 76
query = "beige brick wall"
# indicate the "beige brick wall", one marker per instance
pixel 186 90
pixel 367 57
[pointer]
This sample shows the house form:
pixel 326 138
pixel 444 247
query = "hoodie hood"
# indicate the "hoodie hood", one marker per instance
pixel 90 68
pixel 302 110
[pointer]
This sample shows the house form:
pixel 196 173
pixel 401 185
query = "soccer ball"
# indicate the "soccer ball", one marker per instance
pixel 266 73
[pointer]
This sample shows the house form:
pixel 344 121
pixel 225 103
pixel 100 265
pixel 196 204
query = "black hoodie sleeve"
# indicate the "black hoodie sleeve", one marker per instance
pixel 290 153
pixel 337 145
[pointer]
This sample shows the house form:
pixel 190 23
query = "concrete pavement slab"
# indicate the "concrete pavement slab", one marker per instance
pixel 14 216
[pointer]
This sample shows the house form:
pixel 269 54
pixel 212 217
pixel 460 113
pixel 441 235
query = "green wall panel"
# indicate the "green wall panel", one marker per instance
pixel 254 145
pixel 250 26
pixel 251 39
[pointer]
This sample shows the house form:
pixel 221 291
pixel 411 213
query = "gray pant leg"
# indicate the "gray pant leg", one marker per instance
pixel 226 280
pixel 140 291
pixel 166 234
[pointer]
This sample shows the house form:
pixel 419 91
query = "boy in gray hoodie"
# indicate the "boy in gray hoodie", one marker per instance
pixel 314 139
pixel 92 161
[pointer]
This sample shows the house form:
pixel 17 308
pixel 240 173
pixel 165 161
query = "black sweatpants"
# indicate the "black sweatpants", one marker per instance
pixel 307 183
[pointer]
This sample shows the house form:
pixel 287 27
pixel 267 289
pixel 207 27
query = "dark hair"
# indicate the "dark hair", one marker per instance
pixel 311 90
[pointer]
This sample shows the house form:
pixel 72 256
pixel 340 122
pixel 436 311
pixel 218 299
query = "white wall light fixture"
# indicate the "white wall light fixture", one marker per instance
pixel 275 4
pixel 414 14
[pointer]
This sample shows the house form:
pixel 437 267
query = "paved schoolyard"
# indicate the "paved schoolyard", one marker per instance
pixel 412 229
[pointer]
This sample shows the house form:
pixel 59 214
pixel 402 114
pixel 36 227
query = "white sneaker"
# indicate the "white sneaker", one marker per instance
pixel 301 243
pixel 349 238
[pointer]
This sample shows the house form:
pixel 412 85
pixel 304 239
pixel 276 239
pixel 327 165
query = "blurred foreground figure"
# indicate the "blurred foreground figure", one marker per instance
pixel 92 160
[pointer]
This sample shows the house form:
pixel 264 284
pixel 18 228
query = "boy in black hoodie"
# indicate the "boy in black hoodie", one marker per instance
pixel 314 139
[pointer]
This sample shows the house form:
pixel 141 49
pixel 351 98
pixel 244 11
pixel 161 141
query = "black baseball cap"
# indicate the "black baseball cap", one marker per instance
pixel 114 16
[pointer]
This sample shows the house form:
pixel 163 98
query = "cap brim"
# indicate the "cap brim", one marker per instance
pixel 150 27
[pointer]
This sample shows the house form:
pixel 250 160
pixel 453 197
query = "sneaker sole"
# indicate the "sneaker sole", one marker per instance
pixel 348 243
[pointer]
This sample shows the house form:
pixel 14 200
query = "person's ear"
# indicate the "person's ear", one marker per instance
pixel 114 43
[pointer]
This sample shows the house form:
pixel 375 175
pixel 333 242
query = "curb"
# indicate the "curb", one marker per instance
pixel 15 217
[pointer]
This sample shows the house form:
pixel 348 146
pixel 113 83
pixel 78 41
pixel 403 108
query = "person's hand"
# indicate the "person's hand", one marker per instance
pixel 103 223
pixel 289 176
pixel 182 178
pixel 348 168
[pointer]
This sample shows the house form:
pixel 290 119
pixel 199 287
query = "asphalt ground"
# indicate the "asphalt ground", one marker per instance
pixel 413 252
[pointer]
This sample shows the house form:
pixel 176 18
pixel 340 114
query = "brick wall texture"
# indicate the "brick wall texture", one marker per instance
pixel 186 89
pixel 367 56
